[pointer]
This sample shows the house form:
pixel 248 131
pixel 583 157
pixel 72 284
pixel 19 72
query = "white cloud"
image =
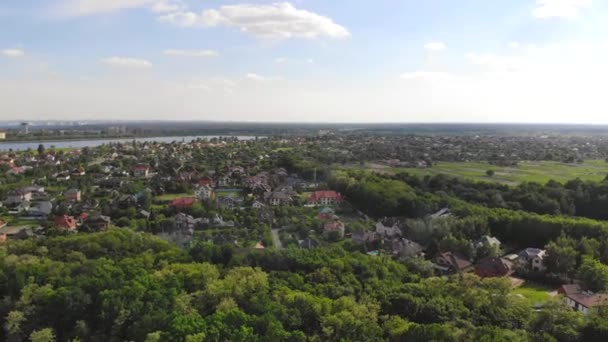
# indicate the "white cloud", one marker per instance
pixel 127 62
pixel 191 53
pixel 78 8
pixel 435 47
pixel 426 76
pixel 514 45
pixel 281 60
pixel 568 9
pixel 260 78
pixel 213 84
pixel 167 6
pixel 269 21
pixel 496 63
pixel 12 53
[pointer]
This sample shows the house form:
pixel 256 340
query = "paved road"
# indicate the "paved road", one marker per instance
pixel 276 240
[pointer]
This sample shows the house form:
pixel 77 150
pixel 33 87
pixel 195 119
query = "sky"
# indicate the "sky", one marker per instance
pixel 305 60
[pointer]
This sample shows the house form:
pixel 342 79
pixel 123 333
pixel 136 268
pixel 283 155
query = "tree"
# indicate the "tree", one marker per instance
pixel 594 274
pixel 44 335
pixel 561 256
pixel 490 173
pixel 41 149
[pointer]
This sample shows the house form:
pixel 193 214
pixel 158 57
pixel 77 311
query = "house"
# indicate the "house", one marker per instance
pixel 278 198
pixel 65 222
pixel 258 205
pixel 259 245
pixel 34 189
pixel 326 198
pixel 335 227
pixel 141 170
pixel 79 171
pixel 227 202
pixel 326 213
pixel 204 192
pixel 532 259
pixel 583 301
pixel 73 195
pixel 18 196
pixel 97 223
pixel 453 262
pixel 62 176
pixel 182 203
pixel 494 267
pixel 406 248
pixel 15 170
pixel 15 233
pixel 385 232
pixel 40 209
pixel 206 181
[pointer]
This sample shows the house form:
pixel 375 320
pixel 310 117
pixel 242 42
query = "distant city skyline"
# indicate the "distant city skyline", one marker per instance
pixel 522 61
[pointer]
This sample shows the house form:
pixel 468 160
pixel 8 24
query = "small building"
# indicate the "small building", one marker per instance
pixel 2 135
pixel 66 222
pixel 73 195
pixel 532 259
pixel 488 240
pixel 308 244
pixel 453 262
pixel 141 170
pixel 40 209
pixel 18 196
pixel 494 267
pixel 406 248
pixel 204 192
pixel 79 171
pixel 336 227
pixel 580 300
pixel 182 203
pixel 278 198
pixel 326 198
pixel 326 213
pixel 97 223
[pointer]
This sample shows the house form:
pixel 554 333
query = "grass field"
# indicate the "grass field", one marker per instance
pixel 540 172
pixel 171 197
pixel 535 294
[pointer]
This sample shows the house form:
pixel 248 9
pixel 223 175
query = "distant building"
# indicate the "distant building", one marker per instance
pixel 73 195
pixel 2 135
pixel 532 259
pixel 182 203
pixel 326 198
pixel 494 267
pixel 141 170
pixel 65 222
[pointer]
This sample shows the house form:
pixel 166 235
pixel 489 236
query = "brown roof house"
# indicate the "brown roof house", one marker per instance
pixel 449 262
pixel 583 301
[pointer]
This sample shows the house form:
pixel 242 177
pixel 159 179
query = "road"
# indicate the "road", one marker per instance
pixel 276 240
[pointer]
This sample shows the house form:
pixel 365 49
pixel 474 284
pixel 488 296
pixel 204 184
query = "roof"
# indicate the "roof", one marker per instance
pixel 141 167
pixel 318 195
pixel 495 265
pixel 65 221
pixel 530 253
pixel 460 261
pixel 183 202
pixel 585 298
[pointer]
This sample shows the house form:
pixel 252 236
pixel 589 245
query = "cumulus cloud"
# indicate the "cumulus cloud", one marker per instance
pixel 268 21
pixel 568 9
pixel 12 53
pixel 127 62
pixel 435 47
pixel 191 53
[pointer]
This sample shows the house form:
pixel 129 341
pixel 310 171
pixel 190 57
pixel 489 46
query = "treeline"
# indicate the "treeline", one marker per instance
pixel 385 195
pixel 574 198
pixel 126 286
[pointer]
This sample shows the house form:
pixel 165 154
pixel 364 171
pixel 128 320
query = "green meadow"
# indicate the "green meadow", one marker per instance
pixel 536 171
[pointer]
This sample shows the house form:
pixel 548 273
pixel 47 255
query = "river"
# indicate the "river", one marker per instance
pixel 21 146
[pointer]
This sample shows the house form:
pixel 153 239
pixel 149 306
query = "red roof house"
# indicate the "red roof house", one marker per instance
pixel 181 203
pixel 328 197
pixel 494 267
pixel 65 222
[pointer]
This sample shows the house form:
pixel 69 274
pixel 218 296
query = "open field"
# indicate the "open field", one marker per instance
pixel 171 197
pixel 535 294
pixel 540 172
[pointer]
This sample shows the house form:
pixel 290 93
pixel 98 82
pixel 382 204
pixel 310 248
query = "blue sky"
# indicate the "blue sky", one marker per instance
pixel 305 60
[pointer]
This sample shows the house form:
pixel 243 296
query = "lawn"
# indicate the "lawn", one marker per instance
pixel 530 171
pixel 535 294
pixel 171 197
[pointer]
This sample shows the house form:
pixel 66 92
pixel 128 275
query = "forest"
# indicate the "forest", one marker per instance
pixel 125 286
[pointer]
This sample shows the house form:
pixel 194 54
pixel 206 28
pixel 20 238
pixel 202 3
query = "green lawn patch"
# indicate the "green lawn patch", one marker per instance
pixel 534 293
pixel 171 197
